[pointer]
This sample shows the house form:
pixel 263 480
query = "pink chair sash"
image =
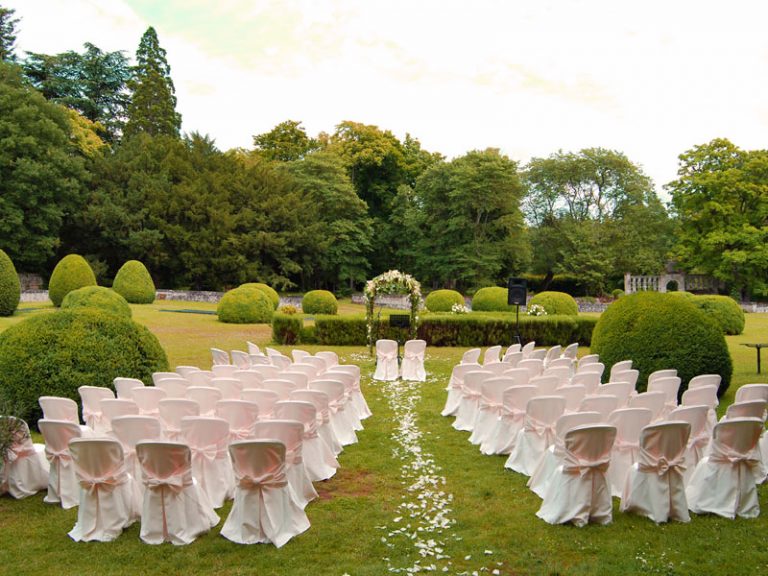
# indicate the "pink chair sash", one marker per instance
pixel 661 465
pixel 575 465
pixel 19 451
pixel 105 483
pixel 176 482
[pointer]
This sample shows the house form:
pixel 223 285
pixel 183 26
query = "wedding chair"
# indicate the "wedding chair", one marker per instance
pixel 253 348
pixel 114 408
pixel 512 359
pixel 324 429
pixel 208 439
pixel 330 357
pixel 622 391
pixel 148 398
pixel 348 379
pixel 319 461
pixel 746 409
pixel 279 386
pixel 220 357
pixel 513 349
pixel 528 348
pixel 591 368
pixel 174 387
pixel 252 378
pixel 470 399
pixel 206 397
pixel 223 370
pixel 240 359
pixel 492 355
pixel 573 396
pixel 263 510
pixel 698 439
pixel 264 399
pixel 129 431
pixel 342 428
pixel 264 371
pixel 299 355
pixel 231 388
pixel 519 376
pixel 413 361
pixel 471 356
pixel 356 397
pixel 671 387
pixel 629 424
pixel 124 386
pixel 174 508
pixel 724 482
pixel 201 378
pixel 752 392
pixel 241 415
pixel 171 411
pixel 705 380
pixel 562 373
pixel 24 468
pixel 620 366
pixel 590 381
pixel 386 360
pixel 490 408
pixel 654 401
pixel 58 408
pixel 630 376
pixel 299 379
pixel 109 498
pixel 183 371
pixel 552 354
pixel 537 355
pixel 587 359
pixel 455 386
pixel 90 397
pixel 602 403
pixel 706 395
pixel 547 384
pixel 514 401
pixel 537 434
pixel 578 491
pixel 62 483
pixel 666 373
pixel 655 486
pixel 571 351
pixel 279 361
pixel 535 366
pixel 563 362
pixel 157 376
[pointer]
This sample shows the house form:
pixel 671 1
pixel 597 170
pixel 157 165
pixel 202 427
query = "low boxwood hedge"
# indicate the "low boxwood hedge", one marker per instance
pixel 443 300
pixel 437 330
pixel 491 299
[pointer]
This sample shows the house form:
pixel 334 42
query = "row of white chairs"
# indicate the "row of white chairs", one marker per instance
pixel 412 367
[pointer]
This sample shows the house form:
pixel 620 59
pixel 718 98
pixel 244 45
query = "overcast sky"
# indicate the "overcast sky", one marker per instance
pixel 649 78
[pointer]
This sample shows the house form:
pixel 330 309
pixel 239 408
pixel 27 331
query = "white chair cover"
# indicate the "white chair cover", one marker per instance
pixel 240 359
pixel 129 431
pixel 253 348
pixel 208 439
pixel 547 384
pixel 90 396
pixel 630 376
pixel 455 386
pixel 356 398
pixel 514 401
pixel 662 374
pixel 114 408
pixel 206 397
pixel 602 403
pixel 655 486
pixel 537 434
pixel 174 387
pixel 706 395
pixel 471 356
pixel 291 433
pixel 553 456
pixel 528 348
pixel 578 491
pixel 537 355
pixel 724 482
pixel 299 379
pixel 330 357
pixel 342 428
pixel 171 411
pixel 629 423
pixel 619 367
pixel 252 378
pixel 223 370
pixel 622 391
pixel 62 483
pixel 699 438
pixel 752 392
pixel 262 372
pixel 746 409
pixel 386 360
pixel 109 496
pixel 563 362
pixel 535 366
pixel 241 415
pixel 24 470
pixel 220 357
pixel 174 509
pixel 125 386
pixel 264 399
pixel 512 359
pixel 201 378
pixel 148 399
pixel 58 408
pixel 519 376
pixel 573 396
pixel 492 355
pixel 279 386
pixel 157 376
pixel 705 380
pixel 592 368
pixel 587 359
pixel 263 510
pixel 324 429
pixel 490 408
pixel 230 388
pixel 319 460
pixel 278 361
pixel 670 385
pixel 470 399
pixel 590 381
pixel 299 355
pixel 348 379
pixel 413 361
pixel 184 370
pixel 552 354
pixel 571 351
pixel 654 401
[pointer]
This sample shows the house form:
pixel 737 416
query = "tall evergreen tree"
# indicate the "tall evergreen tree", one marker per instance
pixel 153 105
pixel 7 34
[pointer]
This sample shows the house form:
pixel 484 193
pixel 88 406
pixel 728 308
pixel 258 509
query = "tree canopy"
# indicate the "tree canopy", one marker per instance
pixel 7 34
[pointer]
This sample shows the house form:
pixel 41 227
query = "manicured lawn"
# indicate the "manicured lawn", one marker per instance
pixel 489 512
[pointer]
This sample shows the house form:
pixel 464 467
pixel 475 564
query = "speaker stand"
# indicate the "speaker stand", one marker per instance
pixel 517 325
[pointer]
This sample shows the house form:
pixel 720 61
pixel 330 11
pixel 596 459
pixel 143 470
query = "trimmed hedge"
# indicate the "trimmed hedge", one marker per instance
pixel 271 293
pixel 97 297
pixel 72 272
pixel 556 303
pixel 722 309
pixel 443 300
pixel 10 287
pixel 245 305
pixel 134 283
pixel 658 331
pixel 67 349
pixel 491 299
pixel 437 330
pixel 319 302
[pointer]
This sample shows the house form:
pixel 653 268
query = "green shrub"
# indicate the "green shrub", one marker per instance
pixel 568 283
pixel 10 287
pixel 245 305
pixel 491 299
pixel 722 309
pixel 288 309
pixel 319 302
pixel 556 303
pixel 72 272
pixel 71 348
pixel 443 300
pixel 617 293
pixel 271 293
pixel 658 331
pixel 97 297
pixel 134 283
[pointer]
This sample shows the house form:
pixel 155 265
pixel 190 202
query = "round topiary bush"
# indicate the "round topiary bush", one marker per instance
pixel 443 300
pixel 556 303
pixel 67 349
pixel 722 309
pixel 72 272
pixel 658 331
pixel 97 297
pixel 10 287
pixel 271 293
pixel 491 299
pixel 319 302
pixel 617 293
pixel 134 283
pixel 245 305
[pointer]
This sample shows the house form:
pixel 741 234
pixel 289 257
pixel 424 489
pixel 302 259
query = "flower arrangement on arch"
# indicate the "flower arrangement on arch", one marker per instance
pixel 392 282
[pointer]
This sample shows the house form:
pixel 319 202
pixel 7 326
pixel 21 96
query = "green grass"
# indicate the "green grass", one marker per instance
pixel 492 508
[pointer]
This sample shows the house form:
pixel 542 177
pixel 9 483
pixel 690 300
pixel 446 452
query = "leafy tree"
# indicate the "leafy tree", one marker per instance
pixel 152 109
pixel 7 34
pixel 94 83
pixel 721 201
pixel 343 230
pixel 474 233
pixel 286 142
pixel 41 174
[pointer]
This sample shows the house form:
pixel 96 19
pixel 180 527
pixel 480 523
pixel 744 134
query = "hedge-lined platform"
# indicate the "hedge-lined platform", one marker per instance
pixel 437 330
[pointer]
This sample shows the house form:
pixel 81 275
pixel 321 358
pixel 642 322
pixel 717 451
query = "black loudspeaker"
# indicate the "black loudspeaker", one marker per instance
pixel 517 292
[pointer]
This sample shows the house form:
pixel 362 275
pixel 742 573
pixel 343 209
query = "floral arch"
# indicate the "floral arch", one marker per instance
pixel 392 282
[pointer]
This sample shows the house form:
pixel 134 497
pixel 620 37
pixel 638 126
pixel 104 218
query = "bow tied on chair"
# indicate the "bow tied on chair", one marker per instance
pixel 294 456
pixel 241 433
pixel 265 481
pixel 209 453
pixel 661 466
pixel 575 465
pixel 310 430
pixel 18 451
pixel 105 483
pixel 175 482
pixel 58 456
